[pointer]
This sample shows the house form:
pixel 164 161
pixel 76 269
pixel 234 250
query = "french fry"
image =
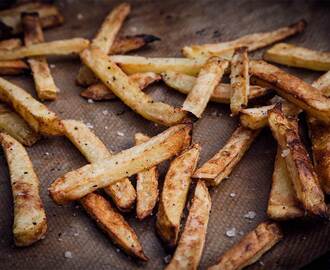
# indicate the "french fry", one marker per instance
pixel 252 42
pixel 146 186
pixel 15 126
pixel 76 184
pixel 174 195
pixel 58 47
pixel 49 15
pixel 251 247
pixel 221 164
pixel 221 94
pixel 122 193
pixel 36 114
pixel 323 84
pixel 128 91
pixel 114 225
pixel 283 203
pixel 100 91
pixel 10 44
pixel 239 80
pixel 43 80
pixel 104 39
pixel 299 166
pixel 191 244
pixel 293 89
pixel 137 64
pixel 208 78
pixel 294 56
pixel 30 223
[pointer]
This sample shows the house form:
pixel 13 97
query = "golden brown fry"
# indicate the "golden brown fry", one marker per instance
pixel 131 43
pixel 76 184
pixel 58 47
pixel 146 186
pixel 294 56
pixel 300 168
pixel 221 164
pixel 190 247
pixel 36 114
pixel 115 226
pixel 251 247
pixel 12 124
pixel 239 80
pixel 100 91
pixel 221 94
pixel 122 193
pixel 43 80
pixel 10 44
pixel 293 89
pixel 283 203
pixel 208 78
pixel 323 84
pixel 253 42
pixel 128 91
pixel 174 195
pixel 30 223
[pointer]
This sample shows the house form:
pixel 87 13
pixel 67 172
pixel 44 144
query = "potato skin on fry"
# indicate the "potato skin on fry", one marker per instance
pixel 251 247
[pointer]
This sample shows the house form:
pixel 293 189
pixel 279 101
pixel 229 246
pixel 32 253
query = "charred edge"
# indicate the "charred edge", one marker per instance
pixel 300 25
pixel 148 38
pixel 241 50
pixel 277 108
pixel 5 31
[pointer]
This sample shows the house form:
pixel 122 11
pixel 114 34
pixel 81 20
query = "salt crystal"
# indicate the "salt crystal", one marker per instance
pixel 133 29
pixel 106 127
pixel 80 16
pixel 68 254
pixel 231 232
pixel 261 263
pixel 90 101
pixel 167 259
pixel 105 112
pixel 241 233
pixel 117 249
pixel 250 215
pixel 76 234
pixel 52 66
pixel 232 194
pixel 285 152
pixel 89 125
pixel 47 154
pixel 120 133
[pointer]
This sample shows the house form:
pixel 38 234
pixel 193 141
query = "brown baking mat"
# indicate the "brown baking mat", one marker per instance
pixel 177 23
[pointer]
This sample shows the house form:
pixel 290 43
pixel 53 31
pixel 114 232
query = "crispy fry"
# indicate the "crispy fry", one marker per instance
pixel 100 91
pixel 283 203
pixel 252 42
pixel 190 248
pixel 10 44
pixel 12 124
pixel 43 80
pixel 122 193
pixel 115 226
pixel 208 78
pixel 221 164
pixel 221 94
pixel 293 89
pixel 323 84
pixel 239 80
pixel 251 247
pixel 294 56
pixel 128 91
pixel 58 47
pixel 131 43
pixel 146 186
pixel 300 168
pixel 174 195
pixel 30 223
pixel 36 114
pixel 76 184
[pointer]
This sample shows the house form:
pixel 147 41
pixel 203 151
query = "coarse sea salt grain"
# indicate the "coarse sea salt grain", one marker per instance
pixel 89 125
pixel 105 112
pixel 52 66
pixel 167 259
pixel 90 101
pixel 68 254
pixel 285 152
pixel 250 215
pixel 232 194
pixel 231 232
pixel 120 133
pixel 80 16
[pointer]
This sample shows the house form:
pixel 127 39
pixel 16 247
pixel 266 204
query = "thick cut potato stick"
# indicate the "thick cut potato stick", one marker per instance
pixel 239 80
pixel 323 84
pixel 122 193
pixel 283 203
pixel 208 78
pixel 76 184
pixel 190 247
pixel 12 124
pixel 137 64
pixel 221 94
pixel 128 91
pixel 293 89
pixel 146 186
pixel 114 225
pixel 221 164
pixel 100 91
pixel 300 168
pixel 10 44
pixel 36 114
pixel 43 79
pixel 58 47
pixel 251 247
pixel 294 56
pixel 49 15
pixel 252 42
pixel 30 222
pixel 174 195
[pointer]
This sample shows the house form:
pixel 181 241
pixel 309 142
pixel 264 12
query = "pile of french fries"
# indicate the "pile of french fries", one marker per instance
pixel 299 183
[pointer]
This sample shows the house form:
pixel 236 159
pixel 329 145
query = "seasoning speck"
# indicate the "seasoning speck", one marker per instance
pixel 52 66
pixel 167 259
pixel 68 254
pixel 80 16
pixel 233 194
pixel 285 152
pixel 231 232
pixel 90 101
pixel 120 133
pixel 105 112
pixel 250 215
pixel 89 125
